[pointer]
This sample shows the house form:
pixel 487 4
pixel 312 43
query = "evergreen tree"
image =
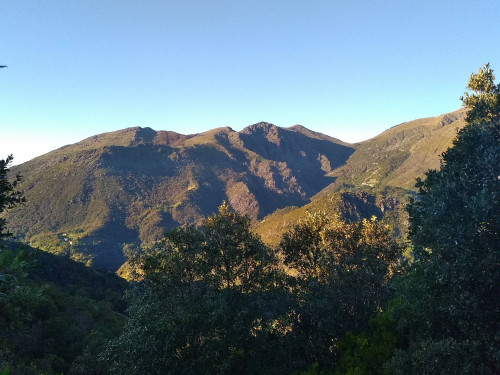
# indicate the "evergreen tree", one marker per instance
pixel 449 301
pixel 9 196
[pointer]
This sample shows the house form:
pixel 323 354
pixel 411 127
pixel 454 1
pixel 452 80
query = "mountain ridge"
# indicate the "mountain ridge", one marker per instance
pixel 99 199
pixel 90 199
pixel 378 178
pixel 401 153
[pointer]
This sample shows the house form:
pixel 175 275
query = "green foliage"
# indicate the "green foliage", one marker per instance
pixel 235 257
pixel 203 305
pixel 49 306
pixel 340 280
pixel 367 352
pixel 449 308
pixel 484 103
pixel 9 196
pixel 312 370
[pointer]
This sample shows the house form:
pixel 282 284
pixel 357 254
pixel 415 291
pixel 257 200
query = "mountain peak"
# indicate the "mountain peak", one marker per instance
pixel 124 137
pixel 146 135
pixel 261 126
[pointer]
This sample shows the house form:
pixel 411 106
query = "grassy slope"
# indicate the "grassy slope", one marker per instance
pixel 399 155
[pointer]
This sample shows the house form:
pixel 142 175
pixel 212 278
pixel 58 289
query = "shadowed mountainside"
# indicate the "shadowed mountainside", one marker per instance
pixel 388 205
pixel 102 197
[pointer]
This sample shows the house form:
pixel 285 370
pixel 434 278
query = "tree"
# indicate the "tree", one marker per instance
pixel 340 280
pixel 234 256
pixel 484 103
pixel 448 308
pixel 9 196
pixel 202 305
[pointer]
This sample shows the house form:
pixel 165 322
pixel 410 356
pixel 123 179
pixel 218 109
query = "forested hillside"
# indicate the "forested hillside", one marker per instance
pixel 388 205
pixel 52 308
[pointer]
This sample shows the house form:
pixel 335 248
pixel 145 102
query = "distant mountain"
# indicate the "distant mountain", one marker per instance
pixel 401 154
pixel 378 178
pixel 102 197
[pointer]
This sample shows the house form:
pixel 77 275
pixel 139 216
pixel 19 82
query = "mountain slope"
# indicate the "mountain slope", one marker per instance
pixel 103 197
pixel 52 308
pixel 399 155
pixel 388 205
pixel 109 193
pixel 378 178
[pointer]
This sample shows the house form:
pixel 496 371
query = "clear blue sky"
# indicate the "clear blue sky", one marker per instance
pixel 350 69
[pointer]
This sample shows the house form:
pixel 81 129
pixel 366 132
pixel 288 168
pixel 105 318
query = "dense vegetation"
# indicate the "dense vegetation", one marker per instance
pixel 333 296
pixel 444 315
pixel 353 204
pixel 51 308
pixel 449 300
pixel 9 195
pixel 214 299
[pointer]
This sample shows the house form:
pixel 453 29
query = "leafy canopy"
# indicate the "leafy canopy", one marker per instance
pixel 340 272
pixel 449 300
pixel 202 305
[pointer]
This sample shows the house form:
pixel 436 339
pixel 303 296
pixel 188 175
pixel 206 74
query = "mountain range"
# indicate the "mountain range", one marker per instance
pixel 100 199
